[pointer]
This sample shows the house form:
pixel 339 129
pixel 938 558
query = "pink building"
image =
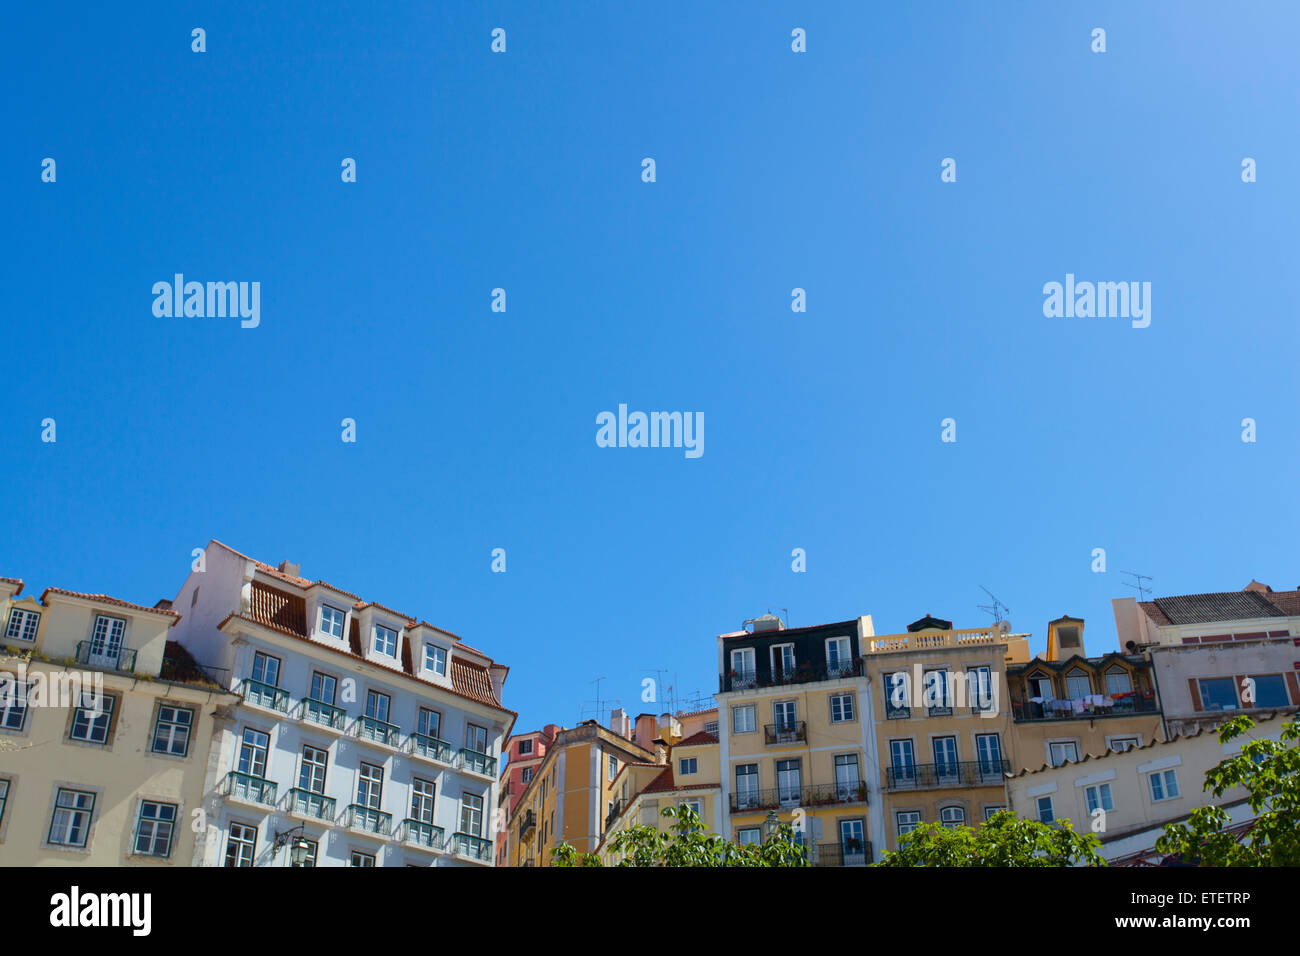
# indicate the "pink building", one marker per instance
pixel 521 754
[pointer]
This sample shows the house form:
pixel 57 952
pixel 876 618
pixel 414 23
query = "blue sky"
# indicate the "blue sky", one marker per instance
pixel 775 170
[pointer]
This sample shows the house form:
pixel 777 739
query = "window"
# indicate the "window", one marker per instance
pixel 435 660
pixel 1164 785
pixel 788 783
pixel 1270 691
pixel 898 700
pixel 385 641
pixel 783 714
pixel 749 836
pixel 1121 744
pixel 171 731
pixel 1118 682
pixel 1098 796
pixel 743 719
pixel 361 859
pixel 847 781
pixel 902 766
pixel 838 659
pixel 4 798
pixel 106 641
pixel 70 825
pixel 526 774
pixel 945 756
pixel 331 621
pixel 471 814
pixel 240 845
pixel 1040 688
pixel 91 720
pixel 153 830
pixel 711 727
pixel 13 702
pixel 525 747
pixel 782 661
pixel 266 669
pixel 952 817
pixel 841 708
pixel 613 767
pixel 938 696
pixel 1218 693
pixel 22 625
pixel 253 747
pixel 988 748
pixel 476 738
pixel 310 848
pixel 377 705
pixel 422 800
pixel 688 765
pixel 1077 685
pixel 430 723
pixel 1062 751
pixel 907 820
pixel 370 786
pixel 742 667
pixel 989 811
pixel 323 687
pixel 746 786
pixel 979 690
pixel 1045 812
pixel 311 777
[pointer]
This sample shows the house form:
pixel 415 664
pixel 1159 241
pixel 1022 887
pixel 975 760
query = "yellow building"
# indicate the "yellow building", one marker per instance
pixel 104 732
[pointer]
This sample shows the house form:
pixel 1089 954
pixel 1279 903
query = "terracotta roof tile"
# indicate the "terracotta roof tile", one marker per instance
pixel 698 739
pixel 17 581
pixel 105 599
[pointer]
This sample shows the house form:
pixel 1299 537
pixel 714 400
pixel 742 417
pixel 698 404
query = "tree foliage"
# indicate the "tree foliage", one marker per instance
pixel 1003 840
pixel 687 843
pixel 1269 772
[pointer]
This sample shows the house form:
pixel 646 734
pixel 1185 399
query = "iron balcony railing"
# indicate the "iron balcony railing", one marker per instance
pixel 265 695
pixel 812 795
pixel 856 853
pixel 121 660
pixel 478 762
pixel 380 731
pixel 431 748
pixel 527 823
pixel 963 773
pixel 369 819
pixel 421 834
pixel 615 809
pixel 319 712
pixel 311 804
pixel 474 847
pixel 1028 710
pixel 806 673
pixel 244 786
pixel 791 733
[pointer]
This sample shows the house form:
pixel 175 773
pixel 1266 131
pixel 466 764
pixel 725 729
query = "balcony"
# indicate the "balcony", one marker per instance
pixel 929 776
pixel 476 762
pixel 430 748
pixel 121 660
pixel 857 853
pixel 614 811
pixel 319 712
pixel 305 803
pixel 378 731
pixel 812 795
pixel 264 695
pixel 474 847
pixel 792 733
pixel 370 820
pixel 1026 711
pixel 527 823
pixel 419 833
pixel 244 786
pixel 806 673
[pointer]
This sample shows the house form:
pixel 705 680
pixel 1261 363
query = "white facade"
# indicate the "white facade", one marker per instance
pixel 353 758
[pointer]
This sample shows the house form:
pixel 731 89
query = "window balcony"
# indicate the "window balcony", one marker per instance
pixel 305 803
pixel 806 797
pixel 476 762
pixel 319 712
pixel 792 733
pixel 430 748
pixel 853 853
pixel 806 673
pixel 378 731
pixel 474 847
pixel 930 776
pixel 527 823
pixel 370 820
pixel 614 811
pixel 244 786
pixel 264 695
pixel 1025 711
pixel 419 833
pixel 122 660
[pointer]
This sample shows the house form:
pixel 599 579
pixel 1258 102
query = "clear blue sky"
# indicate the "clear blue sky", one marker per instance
pixel 476 429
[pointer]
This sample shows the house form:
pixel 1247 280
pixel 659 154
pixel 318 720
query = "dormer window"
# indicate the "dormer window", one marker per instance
pixel 331 621
pixel 385 641
pixel 22 625
pixel 435 659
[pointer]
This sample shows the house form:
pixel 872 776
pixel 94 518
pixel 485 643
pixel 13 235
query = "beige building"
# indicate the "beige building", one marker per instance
pixel 104 732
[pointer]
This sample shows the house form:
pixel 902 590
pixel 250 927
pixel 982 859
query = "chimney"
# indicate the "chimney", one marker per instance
pixel 291 569
pixel 620 723
pixel 647 729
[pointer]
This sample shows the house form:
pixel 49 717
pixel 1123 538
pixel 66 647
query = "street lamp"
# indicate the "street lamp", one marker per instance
pixel 771 826
pixel 298 852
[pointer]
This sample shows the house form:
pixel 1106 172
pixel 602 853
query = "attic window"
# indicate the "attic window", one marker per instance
pixel 1068 637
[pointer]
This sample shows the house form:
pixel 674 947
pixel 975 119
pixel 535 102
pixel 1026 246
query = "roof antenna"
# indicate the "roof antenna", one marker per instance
pixel 772 608
pixel 996 608
pixel 1141 588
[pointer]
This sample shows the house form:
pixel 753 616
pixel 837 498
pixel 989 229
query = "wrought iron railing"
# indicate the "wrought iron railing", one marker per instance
pixel 122 659
pixel 791 733
pixel 421 834
pixel 369 819
pixel 1028 710
pixel 811 795
pixel 319 712
pixel 806 673
pixel 478 762
pixel 264 695
pixel 380 731
pixel 474 847
pixel 854 853
pixel 956 773
pixel 431 748
pixel 244 786
pixel 311 804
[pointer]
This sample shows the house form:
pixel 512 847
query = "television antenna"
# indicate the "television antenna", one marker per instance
pixel 997 608
pixel 1141 588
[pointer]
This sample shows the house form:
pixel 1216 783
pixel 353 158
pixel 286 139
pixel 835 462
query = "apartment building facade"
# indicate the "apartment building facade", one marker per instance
pixel 1218 654
pixel 104 732
pixel 521 756
pixel 361 736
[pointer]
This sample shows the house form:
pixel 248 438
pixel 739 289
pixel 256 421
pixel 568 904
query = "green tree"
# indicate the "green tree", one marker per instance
pixel 1003 840
pixel 1269 772
pixel 687 843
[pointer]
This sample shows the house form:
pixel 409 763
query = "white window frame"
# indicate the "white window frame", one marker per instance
pixel 1098 795
pixel 329 617
pixel 71 813
pixel 1051 747
pixel 244 845
pixel 750 709
pixel 95 728
pixel 1164 778
pixel 21 623
pixel 904 826
pixel 848 714
pixel 155 827
pixel 377 631
pixel 438 666
pixel 174 728
pixel 693 763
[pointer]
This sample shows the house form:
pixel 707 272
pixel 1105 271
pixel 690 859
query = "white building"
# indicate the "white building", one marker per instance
pixel 363 736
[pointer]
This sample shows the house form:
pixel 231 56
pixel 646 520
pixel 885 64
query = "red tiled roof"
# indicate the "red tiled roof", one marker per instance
pixel 699 739
pixel 17 581
pixel 105 599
